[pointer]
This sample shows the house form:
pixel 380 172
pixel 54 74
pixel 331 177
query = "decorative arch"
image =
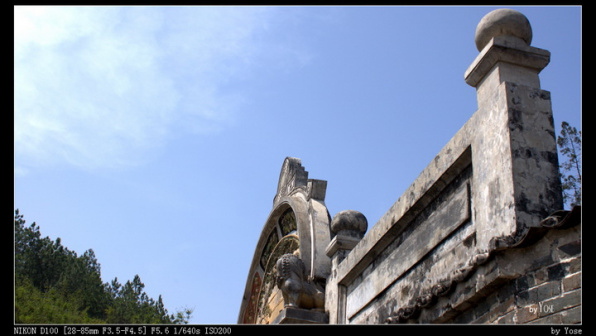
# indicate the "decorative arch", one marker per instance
pixel 300 220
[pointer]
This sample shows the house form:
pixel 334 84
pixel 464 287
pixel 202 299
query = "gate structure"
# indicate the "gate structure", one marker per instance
pixel 478 237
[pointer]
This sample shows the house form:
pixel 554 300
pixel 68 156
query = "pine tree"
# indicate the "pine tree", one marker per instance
pixel 55 285
pixel 570 146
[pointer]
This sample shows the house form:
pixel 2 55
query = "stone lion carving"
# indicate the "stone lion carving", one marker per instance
pixel 297 290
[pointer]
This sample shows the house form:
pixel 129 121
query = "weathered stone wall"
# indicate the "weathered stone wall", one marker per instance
pixel 440 234
pixel 479 237
pixel 547 291
pixel 458 245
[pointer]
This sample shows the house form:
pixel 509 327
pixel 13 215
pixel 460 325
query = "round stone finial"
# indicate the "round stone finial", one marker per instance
pixel 503 22
pixel 350 222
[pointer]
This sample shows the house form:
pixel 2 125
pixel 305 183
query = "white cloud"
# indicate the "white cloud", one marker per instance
pixel 88 89
pixel 104 87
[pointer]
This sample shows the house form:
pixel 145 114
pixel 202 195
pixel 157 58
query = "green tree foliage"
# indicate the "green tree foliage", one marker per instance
pixel 32 306
pixel 55 285
pixel 132 305
pixel 570 146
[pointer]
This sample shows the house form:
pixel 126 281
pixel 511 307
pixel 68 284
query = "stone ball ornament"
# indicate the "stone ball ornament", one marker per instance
pixel 502 22
pixel 349 222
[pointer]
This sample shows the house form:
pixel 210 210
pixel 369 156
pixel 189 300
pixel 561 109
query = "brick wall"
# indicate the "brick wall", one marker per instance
pixel 548 293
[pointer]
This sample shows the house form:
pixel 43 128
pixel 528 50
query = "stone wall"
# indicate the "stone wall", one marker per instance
pixel 478 237
pixel 473 229
pixel 544 288
pixel 548 291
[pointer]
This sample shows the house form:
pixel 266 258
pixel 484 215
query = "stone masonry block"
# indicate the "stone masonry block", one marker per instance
pixel 550 319
pixel 527 313
pixel 539 293
pixel 540 277
pixel 497 311
pixel 507 291
pixel 572 316
pixel 565 301
pixel 485 306
pixel 572 282
pixel 545 291
pixel 558 271
pixel 523 283
pixel 508 318
pixel 575 264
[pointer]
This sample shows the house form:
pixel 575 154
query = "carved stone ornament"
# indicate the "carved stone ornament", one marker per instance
pixel 293 176
pixel 297 290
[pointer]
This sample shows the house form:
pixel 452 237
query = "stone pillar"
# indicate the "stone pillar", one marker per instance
pixel 514 152
pixel 348 228
pixel 503 39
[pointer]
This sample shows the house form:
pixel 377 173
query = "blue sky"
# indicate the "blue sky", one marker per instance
pixel 155 135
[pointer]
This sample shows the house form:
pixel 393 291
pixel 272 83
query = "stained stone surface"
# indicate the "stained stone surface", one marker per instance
pixel 492 183
pixel 478 237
